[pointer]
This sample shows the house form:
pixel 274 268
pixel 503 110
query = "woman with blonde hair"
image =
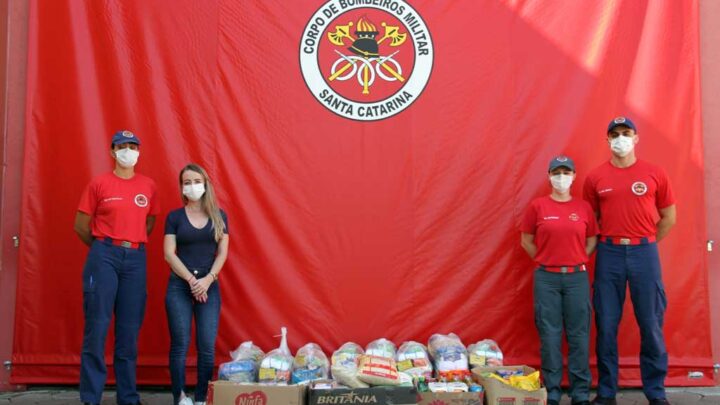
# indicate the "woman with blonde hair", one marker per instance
pixel 195 246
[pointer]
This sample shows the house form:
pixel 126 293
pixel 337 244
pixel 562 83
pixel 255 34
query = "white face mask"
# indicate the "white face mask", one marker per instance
pixel 622 145
pixel 193 192
pixel 561 182
pixel 127 157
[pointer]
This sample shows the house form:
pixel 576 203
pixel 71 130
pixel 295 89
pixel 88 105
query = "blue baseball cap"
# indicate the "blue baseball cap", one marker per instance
pixel 124 136
pixel 618 121
pixel 561 161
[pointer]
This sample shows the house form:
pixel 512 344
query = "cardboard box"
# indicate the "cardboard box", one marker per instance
pixel 230 393
pixel 374 395
pixel 498 393
pixel 450 398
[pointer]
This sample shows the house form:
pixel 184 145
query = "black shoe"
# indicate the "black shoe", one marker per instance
pixel 659 401
pixel 553 402
pixel 603 401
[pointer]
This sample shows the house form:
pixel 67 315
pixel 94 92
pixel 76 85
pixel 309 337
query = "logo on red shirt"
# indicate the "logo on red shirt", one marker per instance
pixel 574 217
pixel 639 188
pixel 141 200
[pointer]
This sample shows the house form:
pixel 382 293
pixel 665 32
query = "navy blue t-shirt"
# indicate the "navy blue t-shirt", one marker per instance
pixel 196 248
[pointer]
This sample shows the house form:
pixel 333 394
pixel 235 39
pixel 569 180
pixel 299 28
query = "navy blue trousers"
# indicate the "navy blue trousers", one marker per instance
pixel 113 283
pixel 639 267
pixel 181 307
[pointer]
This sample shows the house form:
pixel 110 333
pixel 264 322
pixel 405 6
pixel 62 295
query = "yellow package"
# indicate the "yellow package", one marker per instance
pixel 530 382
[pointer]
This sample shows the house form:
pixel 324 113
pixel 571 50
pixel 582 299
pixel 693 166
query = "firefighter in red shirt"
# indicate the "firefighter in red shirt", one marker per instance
pixel 559 233
pixel 636 208
pixel 116 213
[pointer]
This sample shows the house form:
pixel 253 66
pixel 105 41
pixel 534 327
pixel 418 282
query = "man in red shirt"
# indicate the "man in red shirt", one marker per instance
pixel 636 208
pixel 115 215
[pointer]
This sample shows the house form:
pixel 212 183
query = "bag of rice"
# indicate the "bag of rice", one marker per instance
pixel 376 370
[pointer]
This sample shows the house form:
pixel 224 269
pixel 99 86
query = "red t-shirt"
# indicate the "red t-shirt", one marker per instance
pixel 628 199
pixel 561 230
pixel 119 207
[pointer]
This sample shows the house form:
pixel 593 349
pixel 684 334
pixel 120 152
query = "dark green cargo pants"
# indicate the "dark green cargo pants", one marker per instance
pixel 563 300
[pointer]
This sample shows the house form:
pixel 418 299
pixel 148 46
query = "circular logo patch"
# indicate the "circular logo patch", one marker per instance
pixel 639 188
pixel 127 134
pixel 141 200
pixel 619 120
pixel 574 217
pixel 366 61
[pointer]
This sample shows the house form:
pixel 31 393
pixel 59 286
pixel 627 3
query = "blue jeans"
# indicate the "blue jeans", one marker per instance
pixel 562 301
pixel 113 282
pixel 180 307
pixel 618 266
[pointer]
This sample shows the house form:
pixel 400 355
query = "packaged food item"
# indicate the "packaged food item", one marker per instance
pixel 530 382
pixel 485 353
pixel 349 352
pixel 276 365
pixel 412 358
pixel 449 357
pixel 516 378
pixel 244 365
pixel 310 363
pixel 381 348
pixel 376 370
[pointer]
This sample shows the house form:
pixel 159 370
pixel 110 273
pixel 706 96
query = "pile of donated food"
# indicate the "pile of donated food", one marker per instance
pixel 442 366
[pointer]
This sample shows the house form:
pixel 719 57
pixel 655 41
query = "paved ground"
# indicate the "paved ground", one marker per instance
pixel 160 396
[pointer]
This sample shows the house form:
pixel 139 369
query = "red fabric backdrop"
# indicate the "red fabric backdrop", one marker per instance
pixel 342 229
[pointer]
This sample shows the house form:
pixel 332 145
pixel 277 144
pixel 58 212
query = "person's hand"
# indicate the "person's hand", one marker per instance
pixel 201 298
pixel 202 285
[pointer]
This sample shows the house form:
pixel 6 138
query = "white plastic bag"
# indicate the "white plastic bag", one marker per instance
pixel 244 365
pixel 276 365
pixel 310 364
pixel 412 358
pixel 485 353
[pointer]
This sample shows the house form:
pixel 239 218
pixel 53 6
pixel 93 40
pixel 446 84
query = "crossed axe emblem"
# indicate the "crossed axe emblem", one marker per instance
pixel 392 33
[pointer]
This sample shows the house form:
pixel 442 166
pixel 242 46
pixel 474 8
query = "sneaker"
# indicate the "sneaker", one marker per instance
pixel 200 403
pixel 553 402
pixel 659 401
pixel 603 401
pixel 185 401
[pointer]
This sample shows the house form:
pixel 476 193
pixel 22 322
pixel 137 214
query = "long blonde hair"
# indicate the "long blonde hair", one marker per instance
pixel 207 201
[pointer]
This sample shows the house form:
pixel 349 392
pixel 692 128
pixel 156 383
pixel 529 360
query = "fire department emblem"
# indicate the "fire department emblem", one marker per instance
pixel 366 62
pixel 141 200
pixel 639 188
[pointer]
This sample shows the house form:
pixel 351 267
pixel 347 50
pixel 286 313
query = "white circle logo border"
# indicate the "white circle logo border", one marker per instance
pixel 315 82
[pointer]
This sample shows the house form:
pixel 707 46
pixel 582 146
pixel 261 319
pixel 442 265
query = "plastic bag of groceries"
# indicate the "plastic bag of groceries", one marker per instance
pixel 412 358
pixel 310 364
pixel 449 357
pixel 344 365
pixel 349 352
pixel 276 364
pixel 377 370
pixel 485 353
pixel 381 348
pixel 244 364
